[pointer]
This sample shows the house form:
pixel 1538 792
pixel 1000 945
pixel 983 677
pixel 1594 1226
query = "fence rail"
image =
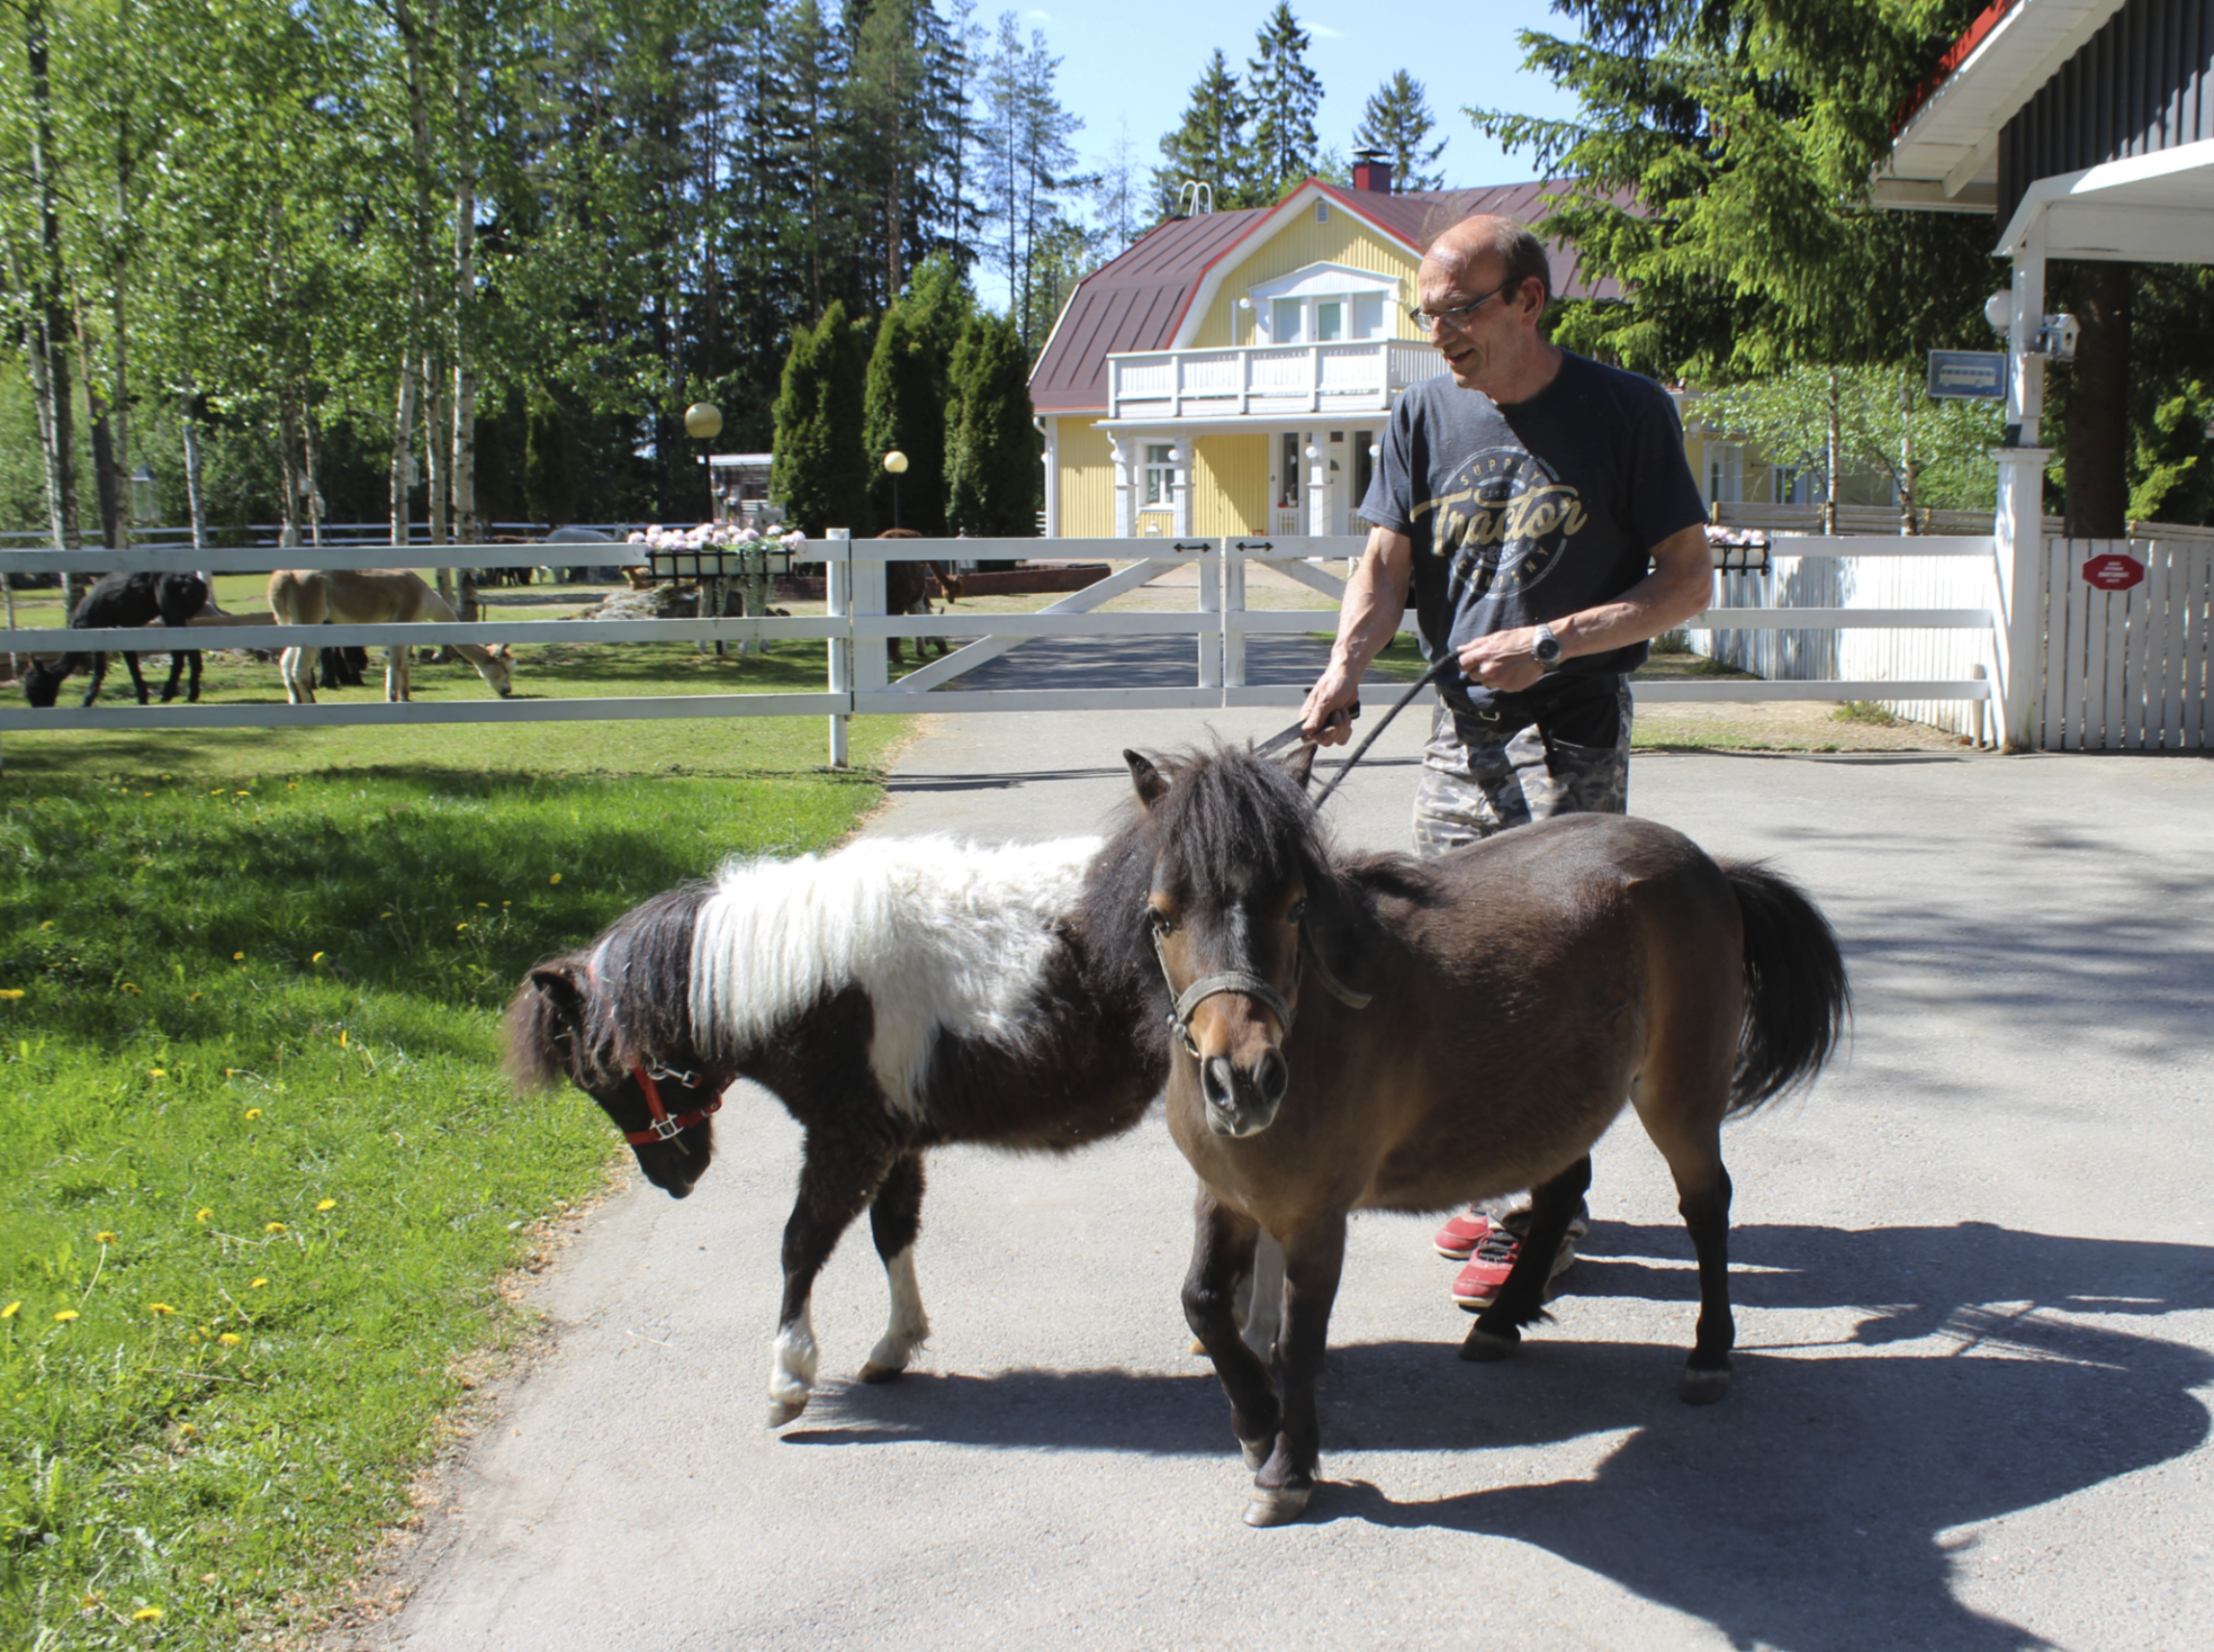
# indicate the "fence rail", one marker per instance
pixel 857 630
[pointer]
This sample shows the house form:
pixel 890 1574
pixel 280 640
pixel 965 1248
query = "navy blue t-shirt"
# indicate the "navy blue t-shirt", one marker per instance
pixel 1527 513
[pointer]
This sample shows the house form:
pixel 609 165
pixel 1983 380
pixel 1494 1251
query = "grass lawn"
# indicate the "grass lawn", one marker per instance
pixel 259 1174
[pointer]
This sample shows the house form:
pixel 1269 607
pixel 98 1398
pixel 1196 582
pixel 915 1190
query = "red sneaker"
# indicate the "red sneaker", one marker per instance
pixel 1458 1238
pixel 1478 1285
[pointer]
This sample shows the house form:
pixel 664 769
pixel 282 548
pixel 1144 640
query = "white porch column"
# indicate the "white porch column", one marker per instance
pixel 1180 489
pixel 2017 527
pixel 1318 459
pixel 1050 428
pixel 1120 448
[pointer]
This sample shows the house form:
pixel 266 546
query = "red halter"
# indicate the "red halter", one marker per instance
pixel 664 1128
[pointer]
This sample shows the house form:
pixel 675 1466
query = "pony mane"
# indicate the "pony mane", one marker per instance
pixel 943 936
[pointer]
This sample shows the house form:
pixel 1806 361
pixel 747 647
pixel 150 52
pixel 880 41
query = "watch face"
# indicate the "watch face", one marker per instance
pixel 1547 649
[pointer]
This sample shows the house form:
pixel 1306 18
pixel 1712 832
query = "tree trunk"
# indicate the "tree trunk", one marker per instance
pixel 1909 469
pixel 467 529
pixel 193 501
pixel 288 467
pixel 435 417
pixel 403 448
pixel 2096 499
pixel 311 488
pixel 48 325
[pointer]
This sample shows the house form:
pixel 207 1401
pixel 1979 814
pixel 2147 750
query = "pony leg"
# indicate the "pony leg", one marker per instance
pixel 1260 1306
pixel 193 693
pixel 99 676
pixel 894 1219
pixel 1521 1300
pixel 1222 1243
pixel 138 682
pixel 830 1197
pixel 1314 1258
pixel 176 671
pixel 396 674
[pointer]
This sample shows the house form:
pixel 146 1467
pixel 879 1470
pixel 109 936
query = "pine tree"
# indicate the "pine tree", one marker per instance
pixel 822 469
pixel 1211 144
pixel 1285 95
pixel 904 409
pixel 549 484
pixel 1396 120
pixel 994 482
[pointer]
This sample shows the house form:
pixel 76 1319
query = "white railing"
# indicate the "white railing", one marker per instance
pixel 857 630
pixel 1362 376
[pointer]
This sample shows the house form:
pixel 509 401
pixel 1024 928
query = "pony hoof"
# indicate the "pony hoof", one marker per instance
pixel 1255 1453
pixel 782 1411
pixel 1199 1347
pixel 1485 1346
pixel 1701 1387
pixel 1277 1506
pixel 872 1372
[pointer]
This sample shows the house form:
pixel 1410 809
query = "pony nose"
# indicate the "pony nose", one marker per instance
pixel 1219 1082
pixel 1272 1076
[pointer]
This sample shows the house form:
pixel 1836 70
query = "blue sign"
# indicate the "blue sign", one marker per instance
pixel 1964 375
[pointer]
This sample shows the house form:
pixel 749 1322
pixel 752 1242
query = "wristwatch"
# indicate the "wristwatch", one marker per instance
pixel 1546 650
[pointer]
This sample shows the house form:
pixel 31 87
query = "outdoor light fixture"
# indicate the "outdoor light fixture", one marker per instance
pixel 1245 303
pixel 703 420
pixel 1998 310
pixel 895 466
pixel 1313 452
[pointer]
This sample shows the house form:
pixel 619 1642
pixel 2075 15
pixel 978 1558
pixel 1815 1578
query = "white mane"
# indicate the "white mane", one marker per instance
pixel 943 936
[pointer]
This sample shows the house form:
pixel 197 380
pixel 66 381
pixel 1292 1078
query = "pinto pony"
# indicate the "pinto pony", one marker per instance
pixel 895 996
pixel 1368 1032
pixel 368 595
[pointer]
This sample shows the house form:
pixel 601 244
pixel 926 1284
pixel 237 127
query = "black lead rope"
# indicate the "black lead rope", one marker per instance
pixel 1449 666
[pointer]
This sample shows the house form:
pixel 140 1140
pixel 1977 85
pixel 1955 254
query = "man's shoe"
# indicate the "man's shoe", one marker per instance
pixel 1458 1238
pixel 1477 1287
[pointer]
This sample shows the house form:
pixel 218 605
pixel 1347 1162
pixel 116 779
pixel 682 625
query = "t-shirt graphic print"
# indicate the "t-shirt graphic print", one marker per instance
pixel 1502 523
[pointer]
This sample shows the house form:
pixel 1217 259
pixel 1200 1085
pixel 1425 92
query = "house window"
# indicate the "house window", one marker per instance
pixel 1288 471
pixel 1364 465
pixel 1160 472
pixel 1792 486
pixel 1330 321
pixel 1322 211
pixel 1284 317
pixel 1368 316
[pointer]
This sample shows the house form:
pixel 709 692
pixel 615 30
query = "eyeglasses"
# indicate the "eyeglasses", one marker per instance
pixel 1457 316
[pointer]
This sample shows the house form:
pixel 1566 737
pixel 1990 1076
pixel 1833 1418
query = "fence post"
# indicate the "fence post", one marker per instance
pixel 1210 603
pixel 1233 614
pixel 871 670
pixel 838 590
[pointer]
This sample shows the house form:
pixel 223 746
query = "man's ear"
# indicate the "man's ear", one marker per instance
pixel 1299 763
pixel 1151 783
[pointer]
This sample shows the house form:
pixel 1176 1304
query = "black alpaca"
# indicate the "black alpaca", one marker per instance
pixel 121 601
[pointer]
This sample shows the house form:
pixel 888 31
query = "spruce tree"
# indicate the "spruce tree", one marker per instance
pixel 1285 95
pixel 1397 119
pixel 549 482
pixel 1211 144
pixel 904 409
pixel 994 481
pixel 821 476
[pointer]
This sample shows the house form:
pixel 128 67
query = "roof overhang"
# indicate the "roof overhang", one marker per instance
pixel 1287 210
pixel 2156 208
pixel 1944 156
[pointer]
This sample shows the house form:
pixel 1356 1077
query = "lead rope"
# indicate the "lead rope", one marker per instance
pixel 1449 666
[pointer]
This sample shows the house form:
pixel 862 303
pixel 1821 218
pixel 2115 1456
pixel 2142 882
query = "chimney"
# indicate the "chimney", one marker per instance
pixel 1372 171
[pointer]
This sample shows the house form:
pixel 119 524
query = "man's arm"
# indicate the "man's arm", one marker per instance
pixel 1681 584
pixel 1368 619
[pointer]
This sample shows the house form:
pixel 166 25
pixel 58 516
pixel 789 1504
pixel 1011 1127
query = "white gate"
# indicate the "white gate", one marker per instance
pixel 2128 669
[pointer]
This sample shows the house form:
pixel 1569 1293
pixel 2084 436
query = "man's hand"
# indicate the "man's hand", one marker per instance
pixel 1327 717
pixel 1503 659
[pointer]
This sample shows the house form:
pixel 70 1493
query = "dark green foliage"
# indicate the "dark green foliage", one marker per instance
pixel 1397 119
pixel 1211 144
pixel 496 499
pixel 1285 94
pixel 905 410
pixel 548 488
pixel 823 470
pixel 994 480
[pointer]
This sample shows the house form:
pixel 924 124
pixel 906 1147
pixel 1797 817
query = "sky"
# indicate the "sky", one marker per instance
pixel 1132 63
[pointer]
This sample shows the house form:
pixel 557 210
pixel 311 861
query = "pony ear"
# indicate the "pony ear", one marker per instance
pixel 558 982
pixel 1151 783
pixel 1299 764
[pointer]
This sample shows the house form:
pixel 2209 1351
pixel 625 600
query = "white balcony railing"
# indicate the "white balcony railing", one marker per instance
pixel 1361 376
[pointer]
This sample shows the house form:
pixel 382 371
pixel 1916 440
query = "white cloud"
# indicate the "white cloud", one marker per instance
pixel 1326 31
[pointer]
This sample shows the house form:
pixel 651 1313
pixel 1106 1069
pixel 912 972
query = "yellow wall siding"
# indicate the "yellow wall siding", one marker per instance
pixel 1343 240
pixel 1230 484
pixel 1087 480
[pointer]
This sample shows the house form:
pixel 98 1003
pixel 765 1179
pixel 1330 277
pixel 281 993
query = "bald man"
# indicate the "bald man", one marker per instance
pixel 1538 507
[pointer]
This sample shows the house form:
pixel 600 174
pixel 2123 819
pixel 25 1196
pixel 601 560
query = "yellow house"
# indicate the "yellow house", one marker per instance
pixel 1232 372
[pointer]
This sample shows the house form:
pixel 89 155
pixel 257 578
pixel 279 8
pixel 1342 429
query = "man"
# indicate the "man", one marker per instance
pixel 1540 509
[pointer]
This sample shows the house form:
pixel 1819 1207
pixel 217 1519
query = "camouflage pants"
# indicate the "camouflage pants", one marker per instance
pixel 1474 787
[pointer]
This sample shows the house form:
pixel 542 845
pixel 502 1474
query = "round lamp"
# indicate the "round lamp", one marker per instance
pixel 702 419
pixel 1998 311
pixel 895 463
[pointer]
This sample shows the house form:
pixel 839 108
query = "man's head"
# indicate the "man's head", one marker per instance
pixel 1485 283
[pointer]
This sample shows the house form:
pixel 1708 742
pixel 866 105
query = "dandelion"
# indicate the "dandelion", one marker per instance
pixel 507 903
pixel 218 792
pixel 242 794
pixel 384 914
pixel 238 958
pixel 202 1214
pixel 132 988
pixel 146 1615
pixel 11 993
pixel 157 1072
pixel 103 1237
pixel 326 1205
pixel 459 927
pixel 160 1310
pixel 317 959
pixel 188 1429
pixel 192 999
pixel 64 1316
pixel 257 1284
pixel 48 925
pixel 254 1112
pixel 342 1038
pixel 554 879
pixel 12 1309
pixel 487 905
pixel 273 1228
pixel 230 1339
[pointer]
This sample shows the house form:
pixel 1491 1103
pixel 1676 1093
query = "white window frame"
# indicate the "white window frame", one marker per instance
pixel 1317 284
pixel 1157 477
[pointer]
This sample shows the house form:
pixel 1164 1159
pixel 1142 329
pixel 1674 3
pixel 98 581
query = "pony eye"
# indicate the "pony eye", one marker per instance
pixel 1297 914
pixel 1161 922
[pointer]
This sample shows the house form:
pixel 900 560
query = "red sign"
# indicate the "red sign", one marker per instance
pixel 2114 572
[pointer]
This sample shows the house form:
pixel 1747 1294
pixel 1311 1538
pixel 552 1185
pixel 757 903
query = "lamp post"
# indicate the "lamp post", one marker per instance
pixel 895 466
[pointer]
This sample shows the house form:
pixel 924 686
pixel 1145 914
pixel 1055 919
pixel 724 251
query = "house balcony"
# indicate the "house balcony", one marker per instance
pixel 1266 382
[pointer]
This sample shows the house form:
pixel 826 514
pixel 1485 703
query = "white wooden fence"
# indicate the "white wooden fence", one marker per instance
pixel 2130 670
pixel 857 628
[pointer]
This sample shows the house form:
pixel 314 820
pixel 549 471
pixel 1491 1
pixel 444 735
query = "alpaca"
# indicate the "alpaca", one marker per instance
pixel 369 596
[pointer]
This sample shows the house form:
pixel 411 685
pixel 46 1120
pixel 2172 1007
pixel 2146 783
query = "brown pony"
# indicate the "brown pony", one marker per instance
pixel 1482 1020
pixel 907 591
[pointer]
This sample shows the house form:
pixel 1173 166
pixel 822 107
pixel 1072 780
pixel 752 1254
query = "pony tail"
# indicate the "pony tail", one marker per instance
pixel 1797 998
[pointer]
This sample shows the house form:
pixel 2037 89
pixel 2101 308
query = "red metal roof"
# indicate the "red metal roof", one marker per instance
pixel 1955 55
pixel 1136 302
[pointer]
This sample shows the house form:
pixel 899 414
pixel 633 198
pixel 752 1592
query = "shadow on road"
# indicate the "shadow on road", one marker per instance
pixel 1810 1509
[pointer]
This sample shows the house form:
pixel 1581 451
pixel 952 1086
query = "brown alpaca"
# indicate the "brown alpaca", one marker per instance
pixel 907 591
pixel 368 595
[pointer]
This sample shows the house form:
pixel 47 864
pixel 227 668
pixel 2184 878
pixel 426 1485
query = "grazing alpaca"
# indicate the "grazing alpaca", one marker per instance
pixel 907 591
pixel 368 595
pixel 117 601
